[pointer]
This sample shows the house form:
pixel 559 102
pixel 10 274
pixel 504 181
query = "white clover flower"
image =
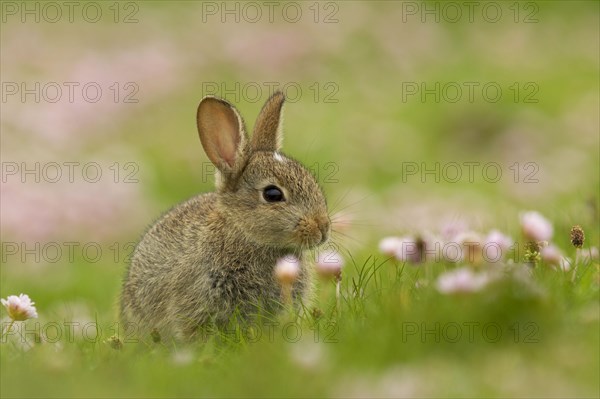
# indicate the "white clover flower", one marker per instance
pixel 405 249
pixel 535 227
pixel 452 252
pixel 496 237
pixel 432 246
pixel 409 250
pixel 287 270
pixel 464 246
pixel 469 238
pixel 390 245
pixel 551 254
pixel 329 263
pixel 20 307
pixel 461 280
pixel 471 244
pixel 496 246
pixel 452 229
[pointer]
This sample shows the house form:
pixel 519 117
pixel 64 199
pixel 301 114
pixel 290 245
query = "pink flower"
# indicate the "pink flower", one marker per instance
pixel 329 264
pixel 496 245
pixel 461 280
pixel 497 238
pixel 20 307
pixel 450 230
pixel 287 270
pixel 551 254
pixel 471 243
pixel 536 227
pixel 411 249
pixel 390 245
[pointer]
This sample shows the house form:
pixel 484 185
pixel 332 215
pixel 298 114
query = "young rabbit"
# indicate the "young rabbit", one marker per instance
pixel 213 256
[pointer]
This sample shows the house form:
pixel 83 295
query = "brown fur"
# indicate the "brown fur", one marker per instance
pixel 214 255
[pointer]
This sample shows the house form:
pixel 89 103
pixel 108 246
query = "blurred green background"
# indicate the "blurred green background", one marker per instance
pixel 378 93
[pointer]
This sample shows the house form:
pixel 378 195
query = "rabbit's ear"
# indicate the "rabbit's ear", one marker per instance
pixel 222 133
pixel 267 134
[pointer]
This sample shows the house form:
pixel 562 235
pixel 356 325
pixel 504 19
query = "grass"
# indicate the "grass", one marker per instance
pixel 389 337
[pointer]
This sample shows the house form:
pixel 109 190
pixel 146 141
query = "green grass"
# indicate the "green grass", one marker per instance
pixel 388 331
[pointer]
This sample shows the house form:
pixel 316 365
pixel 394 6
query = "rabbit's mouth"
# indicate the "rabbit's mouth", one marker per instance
pixel 312 231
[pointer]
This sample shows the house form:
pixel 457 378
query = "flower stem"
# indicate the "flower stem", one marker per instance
pixel 4 334
pixel 286 293
pixel 337 294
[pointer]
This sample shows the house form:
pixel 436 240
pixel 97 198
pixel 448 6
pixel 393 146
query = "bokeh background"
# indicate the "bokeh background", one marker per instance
pixel 348 69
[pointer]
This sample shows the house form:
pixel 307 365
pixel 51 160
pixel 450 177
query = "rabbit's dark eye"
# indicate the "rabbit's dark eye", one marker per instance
pixel 273 194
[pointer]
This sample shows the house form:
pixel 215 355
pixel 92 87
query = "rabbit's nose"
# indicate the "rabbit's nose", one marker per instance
pixel 324 225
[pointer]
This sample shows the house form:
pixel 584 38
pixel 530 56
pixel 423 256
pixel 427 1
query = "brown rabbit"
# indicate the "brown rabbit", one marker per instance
pixel 213 256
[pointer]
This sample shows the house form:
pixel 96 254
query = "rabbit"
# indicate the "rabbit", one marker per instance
pixel 213 256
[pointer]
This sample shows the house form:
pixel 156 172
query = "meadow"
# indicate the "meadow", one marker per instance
pixel 436 131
